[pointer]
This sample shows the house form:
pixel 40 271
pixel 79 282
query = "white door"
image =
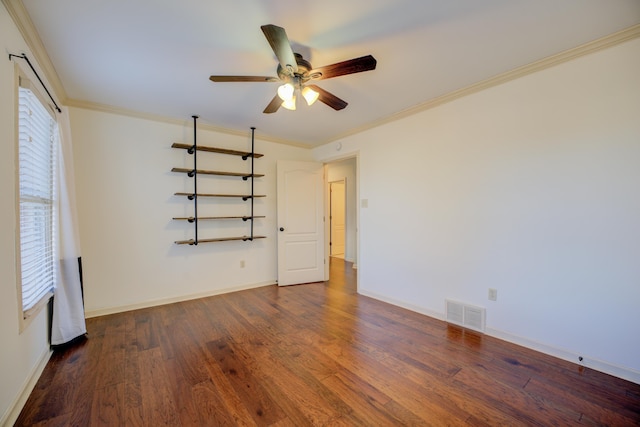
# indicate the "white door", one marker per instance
pixel 300 222
pixel 337 198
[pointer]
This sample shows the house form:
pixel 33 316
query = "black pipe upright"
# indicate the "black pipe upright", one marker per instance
pixel 253 130
pixel 195 180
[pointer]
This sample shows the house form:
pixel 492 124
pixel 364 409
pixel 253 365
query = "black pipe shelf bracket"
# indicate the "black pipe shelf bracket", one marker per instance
pixel 193 149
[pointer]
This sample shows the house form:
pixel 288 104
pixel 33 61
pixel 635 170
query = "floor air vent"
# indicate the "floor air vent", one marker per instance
pixel 468 316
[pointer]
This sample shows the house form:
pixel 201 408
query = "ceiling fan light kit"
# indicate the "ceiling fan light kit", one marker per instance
pixel 290 104
pixel 285 92
pixel 310 95
pixel 295 72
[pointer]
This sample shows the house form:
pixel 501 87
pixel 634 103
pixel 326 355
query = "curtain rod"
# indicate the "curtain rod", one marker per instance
pixel 23 56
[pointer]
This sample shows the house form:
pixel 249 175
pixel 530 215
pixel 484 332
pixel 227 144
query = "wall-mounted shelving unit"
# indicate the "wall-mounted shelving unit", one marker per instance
pixel 194 172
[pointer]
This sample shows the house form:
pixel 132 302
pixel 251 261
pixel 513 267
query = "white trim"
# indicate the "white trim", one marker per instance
pixel 592 363
pixel 588 362
pixel 21 18
pixel 23 21
pixel 10 417
pixel 181 122
pixel 403 304
pixel 548 62
pixel 542 64
pixel 164 301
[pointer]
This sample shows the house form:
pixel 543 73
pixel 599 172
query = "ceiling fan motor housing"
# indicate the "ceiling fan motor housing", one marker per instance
pixel 301 76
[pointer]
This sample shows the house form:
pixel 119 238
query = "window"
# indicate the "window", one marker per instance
pixel 37 148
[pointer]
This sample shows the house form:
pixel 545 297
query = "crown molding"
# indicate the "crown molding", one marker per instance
pixel 22 20
pixel 170 120
pixel 543 64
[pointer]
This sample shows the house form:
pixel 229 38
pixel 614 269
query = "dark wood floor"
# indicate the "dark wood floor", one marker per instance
pixel 315 354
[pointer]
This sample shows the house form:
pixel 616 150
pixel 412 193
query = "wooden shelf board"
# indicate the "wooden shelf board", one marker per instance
pixel 190 218
pixel 220 239
pixel 217 150
pixel 210 172
pixel 244 196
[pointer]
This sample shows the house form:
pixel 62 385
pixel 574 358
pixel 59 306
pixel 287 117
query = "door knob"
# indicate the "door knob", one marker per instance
pixel 281 228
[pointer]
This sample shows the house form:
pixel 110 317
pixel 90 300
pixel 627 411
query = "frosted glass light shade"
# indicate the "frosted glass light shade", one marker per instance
pixel 285 92
pixel 310 95
pixel 290 104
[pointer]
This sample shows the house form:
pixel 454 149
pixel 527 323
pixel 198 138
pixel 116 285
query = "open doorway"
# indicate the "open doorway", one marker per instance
pixel 337 218
pixel 341 241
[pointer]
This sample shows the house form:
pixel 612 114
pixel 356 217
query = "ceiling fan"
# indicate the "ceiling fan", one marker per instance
pixel 295 73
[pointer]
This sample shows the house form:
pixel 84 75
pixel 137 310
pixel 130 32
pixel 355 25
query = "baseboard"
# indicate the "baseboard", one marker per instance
pixel 10 417
pixel 588 362
pixel 403 304
pixel 592 363
pixel 164 301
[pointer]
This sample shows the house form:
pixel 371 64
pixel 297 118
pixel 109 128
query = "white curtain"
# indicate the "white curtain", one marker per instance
pixel 68 308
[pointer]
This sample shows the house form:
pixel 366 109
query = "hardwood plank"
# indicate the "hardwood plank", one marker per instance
pixel 220 173
pixel 60 421
pixel 108 406
pixel 217 150
pixel 190 359
pixel 200 218
pixel 158 404
pixel 316 354
pixel 373 368
pixel 133 415
pixel 366 402
pixel 112 357
pixel 83 380
pixel 309 404
pixel 145 335
pixel 599 415
pixel 238 369
pixel 229 403
pixel 182 391
pixel 218 239
pixel 507 401
pixel 206 399
pixel 244 196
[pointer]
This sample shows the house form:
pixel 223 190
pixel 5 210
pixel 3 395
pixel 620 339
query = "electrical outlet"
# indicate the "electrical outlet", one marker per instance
pixel 493 294
pixel 242 264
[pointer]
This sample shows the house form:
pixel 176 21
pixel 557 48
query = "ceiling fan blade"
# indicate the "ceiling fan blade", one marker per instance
pixel 273 105
pixel 222 79
pixel 277 38
pixel 328 98
pixel 351 66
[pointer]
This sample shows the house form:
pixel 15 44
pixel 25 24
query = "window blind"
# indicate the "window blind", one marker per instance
pixel 38 143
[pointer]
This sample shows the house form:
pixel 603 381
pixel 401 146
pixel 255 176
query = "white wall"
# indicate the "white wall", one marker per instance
pixel 530 187
pixel 21 354
pixel 346 170
pixel 125 200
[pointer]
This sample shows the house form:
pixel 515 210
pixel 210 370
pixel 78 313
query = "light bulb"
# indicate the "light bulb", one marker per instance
pixel 310 95
pixel 285 92
pixel 290 104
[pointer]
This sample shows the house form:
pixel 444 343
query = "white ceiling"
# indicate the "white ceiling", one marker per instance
pixel 155 57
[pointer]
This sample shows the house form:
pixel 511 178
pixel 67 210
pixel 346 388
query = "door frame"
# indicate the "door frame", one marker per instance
pixel 344 206
pixel 327 230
